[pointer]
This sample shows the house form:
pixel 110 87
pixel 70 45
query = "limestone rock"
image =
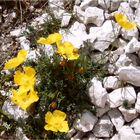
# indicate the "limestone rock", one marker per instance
pixel 111 82
pixel 130 74
pixel 116 118
pixel 137 104
pixel 86 122
pixel 135 125
pixel 94 15
pixel 116 97
pixel 129 114
pixel 102 37
pixel 103 127
pixel 97 93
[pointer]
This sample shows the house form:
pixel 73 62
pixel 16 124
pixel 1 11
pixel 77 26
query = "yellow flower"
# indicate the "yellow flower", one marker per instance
pixel 16 61
pixel 123 21
pixel 52 38
pixel 24 99
pixel 67 50
pixel 56 121
pixel 25 79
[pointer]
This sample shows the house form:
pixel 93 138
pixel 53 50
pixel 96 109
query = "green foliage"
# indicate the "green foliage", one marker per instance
pixel 127 104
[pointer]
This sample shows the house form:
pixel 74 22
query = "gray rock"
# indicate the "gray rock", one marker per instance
pixel 137 104
pixel 86 122
pixel 116 118
pixel 103 127
pixel 134 3
pixel 65 19
pixel 13 110
pixel 137 17
pixel 20 134
pixel 129 114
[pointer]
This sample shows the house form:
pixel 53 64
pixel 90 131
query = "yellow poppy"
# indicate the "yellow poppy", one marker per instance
pixel 24 99
pixel 123 21
pixel 16 61
pixel 52 38
pixel 25 79
pixel 56 121
pixel 67 50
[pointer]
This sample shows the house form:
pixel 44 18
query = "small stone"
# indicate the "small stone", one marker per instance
pixel 111 82
pixel 130 74
pixel 94 15
pixel 102 37
pixel 71 132
pixel 20 134
pixel 103 128
pixel 116 118
pixel 132 46
pixel 13 110
pixel 16 32
pixel 137 17
pixel 86 122
pixel 65 19
pixel 134 3
pixel 78 136
pixel 101 111
pixel 86 3
pixel 135 125
pixel 97 93
pixel 137 104
pixel 114 5
pixel 104 3
pixel 127 133
pixel 117 96
pixel 129 114
pixel 79 13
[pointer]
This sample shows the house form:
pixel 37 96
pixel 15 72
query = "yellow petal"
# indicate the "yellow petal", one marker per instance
pixel 29 71
pixel 122 20
pixel 59 115
pixel 50 127
pixel 49 117
pixel 52 38
pixel 24 99
pixel 64 127
pixel 14 62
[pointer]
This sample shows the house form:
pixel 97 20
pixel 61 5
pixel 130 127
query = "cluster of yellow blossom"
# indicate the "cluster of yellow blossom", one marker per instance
pixel 66 49
pixel 25 95
pixel 123 21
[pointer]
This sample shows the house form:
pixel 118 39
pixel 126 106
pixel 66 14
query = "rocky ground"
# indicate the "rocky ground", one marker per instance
pixel 116 98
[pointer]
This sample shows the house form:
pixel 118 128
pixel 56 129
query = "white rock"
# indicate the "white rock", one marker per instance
pixel 115 137
pixel 15 111
pixel 65 19
pixel 97 93
pixel 101 111
pixel 103 127
pixel 134 3
pixel 16 32
pixel 129 114
pixel 132 46
pixel 120 43
pixel 129 34
pixel 24 43
pixel 123 61
pixel 104 3
pixel 116 118
pixel 87 3
pixel 117 96
pixel 71 132
pixel 86 122
pixel 111 82
pixel 102 37
pixel 114 5
pixel 20 134
pixel 135 125
pixel 126 10
pixel 76 35
pixel 127 133
pixel 57 6
pixel 137 17
pixel 94 15
pixel 79 13
pixel 137 105
pixel 78 136
pixel 130 74
pixel 4 93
